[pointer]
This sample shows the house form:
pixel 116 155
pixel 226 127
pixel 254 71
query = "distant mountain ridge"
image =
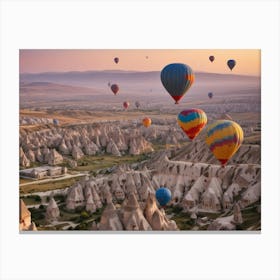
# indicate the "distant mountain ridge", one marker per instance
pixel 93 78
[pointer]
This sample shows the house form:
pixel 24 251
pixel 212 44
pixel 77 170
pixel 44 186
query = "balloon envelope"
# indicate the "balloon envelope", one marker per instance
pixel 55 122
pixel 116 59
pixel 146 122
pixel 177 78
pixel 210 95
pixel 224 138
pixel 163 196
pixel 126 105
pixel 211 58
pixel 192 121
pixel 231 63
pixel 137 104
pixel 115 88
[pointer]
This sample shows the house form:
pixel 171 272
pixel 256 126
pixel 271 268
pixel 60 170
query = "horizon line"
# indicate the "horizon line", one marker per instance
pixel 132 71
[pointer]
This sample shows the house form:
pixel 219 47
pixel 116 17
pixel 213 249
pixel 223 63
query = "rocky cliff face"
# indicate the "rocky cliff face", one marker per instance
pixel 196 187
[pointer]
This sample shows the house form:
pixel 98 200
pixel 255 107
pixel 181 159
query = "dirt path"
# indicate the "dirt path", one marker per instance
pixel 67 176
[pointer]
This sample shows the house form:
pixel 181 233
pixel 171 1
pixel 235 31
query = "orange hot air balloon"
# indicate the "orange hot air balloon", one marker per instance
pixel 147 122
pixel 115 88
pixel 126 105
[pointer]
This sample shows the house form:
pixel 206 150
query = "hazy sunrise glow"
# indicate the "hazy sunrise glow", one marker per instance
pixel 35 61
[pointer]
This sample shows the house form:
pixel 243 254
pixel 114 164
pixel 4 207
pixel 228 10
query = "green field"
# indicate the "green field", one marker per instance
pixel 42 187
pixel 94 163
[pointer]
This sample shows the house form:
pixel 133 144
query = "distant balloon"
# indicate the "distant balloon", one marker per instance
pixel 163 196
pixel 226 116
pixel 55 122
pixel 211 58
pixel 126 105
pixel 177 78
pixel 146 122
pixel 224 138
pixel 210 95
pixel 116 59
pixel 231 63
pixel 115 88
pixel 137 104
pixel 147 57
pixel 192 121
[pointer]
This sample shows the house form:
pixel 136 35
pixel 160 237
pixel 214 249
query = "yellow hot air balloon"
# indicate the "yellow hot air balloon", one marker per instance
pixel 147 122
pixel 224 137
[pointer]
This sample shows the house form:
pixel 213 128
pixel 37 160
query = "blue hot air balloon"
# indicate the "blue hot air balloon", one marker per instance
pixel 231 63
pixel 55 122
pixel 163 196
pixel 177 78
pixel 210 95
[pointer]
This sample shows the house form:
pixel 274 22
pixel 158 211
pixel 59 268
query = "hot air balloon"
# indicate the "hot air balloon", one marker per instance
pixel 55 122
pixel 137 104
pixel 211 58
pixel 224 137
pixel 192 121
pixel 210 95
pixel 226 116
pixel 115 88
pixel 147 57
pixel 163 196
pixel 126 105
pixel 147 122
pixel 177 78
pixel 231 63
pixel 116 59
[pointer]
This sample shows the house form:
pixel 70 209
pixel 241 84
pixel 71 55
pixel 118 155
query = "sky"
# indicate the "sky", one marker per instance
pixel 248 61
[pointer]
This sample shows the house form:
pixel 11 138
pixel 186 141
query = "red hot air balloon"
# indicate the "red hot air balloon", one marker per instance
pixel 115 88
pixel 211 58
pixel 126 105
pixel 116 59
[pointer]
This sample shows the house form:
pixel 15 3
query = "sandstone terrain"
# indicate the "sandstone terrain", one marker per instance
pixel 121 163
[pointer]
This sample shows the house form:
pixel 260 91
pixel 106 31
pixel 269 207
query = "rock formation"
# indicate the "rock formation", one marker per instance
pixel 54 158
pixel 52 211
pixel 25 222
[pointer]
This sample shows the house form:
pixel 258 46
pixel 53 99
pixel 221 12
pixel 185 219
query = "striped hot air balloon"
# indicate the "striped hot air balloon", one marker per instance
pixel 177 78
pixel 224 137
pixel 192 121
